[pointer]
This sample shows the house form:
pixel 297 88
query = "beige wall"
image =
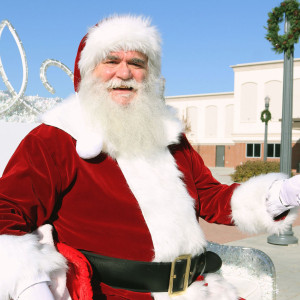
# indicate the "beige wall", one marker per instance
pixel 233 119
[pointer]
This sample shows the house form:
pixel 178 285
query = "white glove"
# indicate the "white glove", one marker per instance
pixel 283 195
pixel 37 291
pixel 290 192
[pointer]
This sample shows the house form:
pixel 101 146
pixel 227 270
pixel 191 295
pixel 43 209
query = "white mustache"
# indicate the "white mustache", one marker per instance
pixel 115 83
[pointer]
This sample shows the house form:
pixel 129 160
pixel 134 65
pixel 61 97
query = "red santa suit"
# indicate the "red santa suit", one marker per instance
pixel 143 208
pixel 138 209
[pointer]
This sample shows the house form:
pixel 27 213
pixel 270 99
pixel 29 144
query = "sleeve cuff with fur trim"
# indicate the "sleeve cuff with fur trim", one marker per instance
pixel 249 206
pixel 24 261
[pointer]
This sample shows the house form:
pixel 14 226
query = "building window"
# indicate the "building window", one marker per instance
pixel 253 150
pixel 273 150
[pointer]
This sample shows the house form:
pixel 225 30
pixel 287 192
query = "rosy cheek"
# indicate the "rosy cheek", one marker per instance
pixel 140 76
pixel 104 74
pixel 108 74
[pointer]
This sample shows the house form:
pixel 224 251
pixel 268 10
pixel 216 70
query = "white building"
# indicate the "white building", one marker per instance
pixel 225 128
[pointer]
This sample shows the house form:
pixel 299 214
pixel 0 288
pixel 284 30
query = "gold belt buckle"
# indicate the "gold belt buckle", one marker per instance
pixel 188 258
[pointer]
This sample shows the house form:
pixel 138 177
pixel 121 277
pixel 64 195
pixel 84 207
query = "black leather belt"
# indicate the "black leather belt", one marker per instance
pixel 142 276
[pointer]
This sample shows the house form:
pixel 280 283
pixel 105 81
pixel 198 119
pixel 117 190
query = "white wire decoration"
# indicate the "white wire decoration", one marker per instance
pixel 14 95
pixel 18 107
pixel 43 69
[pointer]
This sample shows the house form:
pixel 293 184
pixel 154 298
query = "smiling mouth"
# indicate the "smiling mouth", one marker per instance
pixel 123 88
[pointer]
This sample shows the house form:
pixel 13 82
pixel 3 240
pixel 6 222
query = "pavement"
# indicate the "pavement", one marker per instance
pixel 286 258
pixel 222 174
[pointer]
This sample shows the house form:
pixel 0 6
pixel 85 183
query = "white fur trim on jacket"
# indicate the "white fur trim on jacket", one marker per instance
pixel 214 287
pixel 128 33
pixel 249 207
pixel 25 261
pixel 68 117
pixel 167 207
pixel 169 212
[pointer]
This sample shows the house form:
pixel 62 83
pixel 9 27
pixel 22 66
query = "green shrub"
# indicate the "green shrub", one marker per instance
pixel 254 168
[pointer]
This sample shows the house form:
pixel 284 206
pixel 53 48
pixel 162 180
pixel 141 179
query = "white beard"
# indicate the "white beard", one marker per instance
pixel 129 130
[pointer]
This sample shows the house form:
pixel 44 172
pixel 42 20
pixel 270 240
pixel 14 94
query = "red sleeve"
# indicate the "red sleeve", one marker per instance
pixel 28 188
pixel 212 197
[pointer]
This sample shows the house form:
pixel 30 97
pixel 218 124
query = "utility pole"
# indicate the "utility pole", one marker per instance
pixel 266 117
pixel 286 134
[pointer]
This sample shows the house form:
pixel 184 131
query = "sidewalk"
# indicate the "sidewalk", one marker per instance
pixel 222 174
pixel 285 258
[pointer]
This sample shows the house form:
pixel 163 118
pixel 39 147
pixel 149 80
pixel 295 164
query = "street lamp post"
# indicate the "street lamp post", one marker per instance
pixel 287 237
pixel 265 118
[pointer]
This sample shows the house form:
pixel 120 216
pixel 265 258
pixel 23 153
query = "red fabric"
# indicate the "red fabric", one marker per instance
pixel 77 75
pixel 79 273
pixel 88 201
pixel 212 199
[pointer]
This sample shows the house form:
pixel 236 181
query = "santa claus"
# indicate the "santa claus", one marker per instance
pixel 102 200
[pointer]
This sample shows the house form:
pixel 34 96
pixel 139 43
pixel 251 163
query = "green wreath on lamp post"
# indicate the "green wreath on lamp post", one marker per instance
pixel 285 42
pixel 265 116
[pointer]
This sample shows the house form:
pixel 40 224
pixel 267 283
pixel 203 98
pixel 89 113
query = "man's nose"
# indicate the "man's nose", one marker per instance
pixel 123 71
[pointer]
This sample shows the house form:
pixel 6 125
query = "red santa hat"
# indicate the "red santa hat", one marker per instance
pixel 129 33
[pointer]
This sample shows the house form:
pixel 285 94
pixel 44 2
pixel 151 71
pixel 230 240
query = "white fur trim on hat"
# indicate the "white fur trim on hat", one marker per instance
pixel 128 33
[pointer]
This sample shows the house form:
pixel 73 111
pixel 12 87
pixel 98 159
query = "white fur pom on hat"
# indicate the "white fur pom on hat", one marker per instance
pixel 127 32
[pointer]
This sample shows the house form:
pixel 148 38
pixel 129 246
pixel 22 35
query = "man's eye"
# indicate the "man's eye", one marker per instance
pixel 112 62
pixel 138 65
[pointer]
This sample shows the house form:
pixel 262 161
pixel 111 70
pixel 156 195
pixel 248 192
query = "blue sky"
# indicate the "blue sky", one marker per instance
pixel 201 39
